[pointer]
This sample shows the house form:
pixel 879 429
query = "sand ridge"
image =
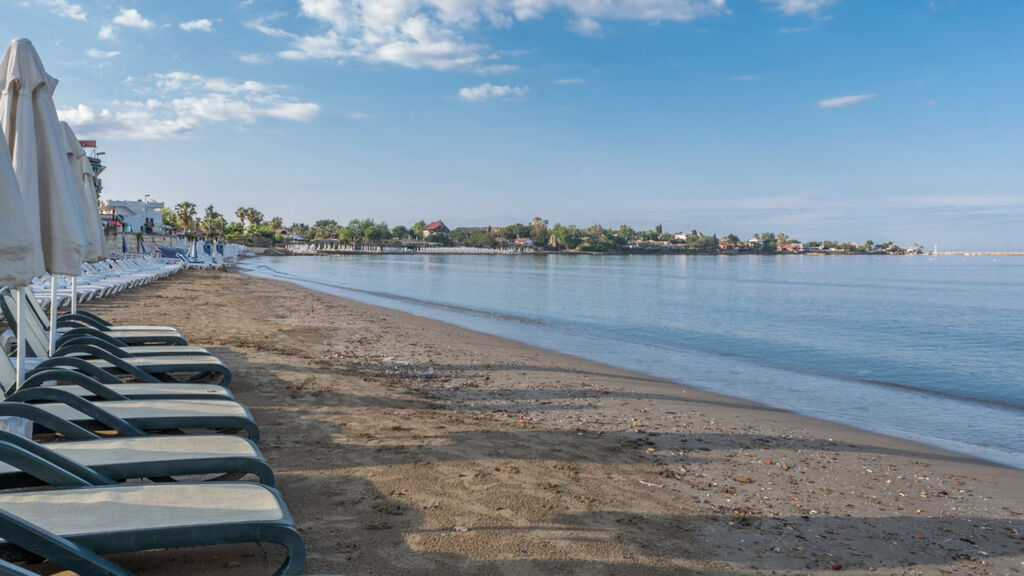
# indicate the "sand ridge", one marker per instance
pixel 408 446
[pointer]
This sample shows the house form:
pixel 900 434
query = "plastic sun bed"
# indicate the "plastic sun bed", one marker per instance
pixel 72 526
pixel 129 337
pixel 175 368
pixel 83 379
pixel 105 461
pixel 92 335
pixel 134 417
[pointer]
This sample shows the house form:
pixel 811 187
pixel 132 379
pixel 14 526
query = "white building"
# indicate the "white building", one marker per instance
pixel 133 214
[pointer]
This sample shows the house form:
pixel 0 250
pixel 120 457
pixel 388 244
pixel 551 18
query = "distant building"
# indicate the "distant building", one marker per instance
pixel 134 215
pixel 524 242
pixel 436 228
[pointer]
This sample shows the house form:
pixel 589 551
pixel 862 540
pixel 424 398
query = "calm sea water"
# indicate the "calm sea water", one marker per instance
pixel 926 348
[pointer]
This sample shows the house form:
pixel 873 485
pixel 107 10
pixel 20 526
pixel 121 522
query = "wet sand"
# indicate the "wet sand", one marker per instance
pixel 408 446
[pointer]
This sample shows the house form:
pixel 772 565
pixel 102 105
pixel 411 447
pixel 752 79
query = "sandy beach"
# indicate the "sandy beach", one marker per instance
pixel 408 446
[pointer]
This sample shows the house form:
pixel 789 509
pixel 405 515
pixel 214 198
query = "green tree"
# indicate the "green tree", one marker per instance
pixel 539 231
pixel 185 213
pixel 513 231
pixel 276 223
pixel 769 243
pixel 254 216
pixel 168 218
pixel 417 229
pixel 242 214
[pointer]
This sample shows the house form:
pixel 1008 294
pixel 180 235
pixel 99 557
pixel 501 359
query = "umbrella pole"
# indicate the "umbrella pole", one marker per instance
pixel 74 294
pixel 20 361
pixel 53 312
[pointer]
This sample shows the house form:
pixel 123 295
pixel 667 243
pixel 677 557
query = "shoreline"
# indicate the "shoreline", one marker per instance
pixel 994 455
pixel 502 454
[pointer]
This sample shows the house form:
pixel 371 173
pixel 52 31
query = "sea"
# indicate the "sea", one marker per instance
pixel 928 348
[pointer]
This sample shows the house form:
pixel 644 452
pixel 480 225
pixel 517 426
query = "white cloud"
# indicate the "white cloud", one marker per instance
pixel 107 33
pixel 489 91
pixel 797 29
pixel 180 103
pixel 66 9
pixel 260 26
pixel 252 58
pixel 432 33
pixel 570 81
pixel 793 7
pixel 203 25
pixel 745 77
pixel 102 54
pixel 130 17
pixel 842 101
pixel 586 27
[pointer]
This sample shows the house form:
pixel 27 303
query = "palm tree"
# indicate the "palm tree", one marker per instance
pixel 242 215
pixel 255 217
pixel 186 213
pixel 276 223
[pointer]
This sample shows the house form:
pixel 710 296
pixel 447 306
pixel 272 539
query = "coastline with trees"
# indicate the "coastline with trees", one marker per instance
pixel 252 228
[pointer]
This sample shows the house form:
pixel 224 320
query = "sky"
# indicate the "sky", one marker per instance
pixel 824 119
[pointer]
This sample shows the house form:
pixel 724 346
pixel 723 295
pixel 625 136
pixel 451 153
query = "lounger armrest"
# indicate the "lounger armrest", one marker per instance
pixel 60 551
pixel 38 467
pixel 67 321
pixel 87 316
pixel 36 415
pixel 136 372
pixel 8 569
pixel 90 332
pixel 91 341
pixel 77 364
pixel 39 377
pixel 41 451
pixel 55 394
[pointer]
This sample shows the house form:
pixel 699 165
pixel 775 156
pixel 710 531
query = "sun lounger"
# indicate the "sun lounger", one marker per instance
pixel 105 461
pixel 72 526
pixel 134 417
pixel 175 368
pixel 86 380
pixel 8 302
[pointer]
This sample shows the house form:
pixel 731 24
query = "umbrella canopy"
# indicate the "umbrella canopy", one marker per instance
pixel 96 249
pixel 36 142
pixel 21 256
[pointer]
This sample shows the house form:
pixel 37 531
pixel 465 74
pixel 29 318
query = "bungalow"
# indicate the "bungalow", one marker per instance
pixel 135 215
pixel 524 242
pixel 436 228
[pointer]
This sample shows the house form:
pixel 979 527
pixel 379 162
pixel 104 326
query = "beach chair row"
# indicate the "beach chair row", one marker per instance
pixel 126 439
pixel 104 278
pixel 202 263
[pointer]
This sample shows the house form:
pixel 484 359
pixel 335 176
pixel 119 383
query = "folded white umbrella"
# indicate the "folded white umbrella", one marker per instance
pixel 21 255
pixel 36 140
pixel 37 146
pixel 81 168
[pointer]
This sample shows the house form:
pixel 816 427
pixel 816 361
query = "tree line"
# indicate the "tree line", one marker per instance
pixel 252 226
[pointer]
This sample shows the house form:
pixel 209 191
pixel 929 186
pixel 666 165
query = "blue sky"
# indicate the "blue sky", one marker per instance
pixel 824 119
